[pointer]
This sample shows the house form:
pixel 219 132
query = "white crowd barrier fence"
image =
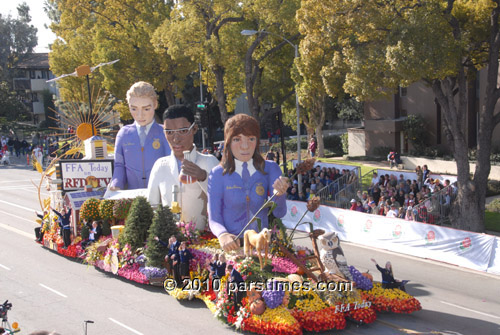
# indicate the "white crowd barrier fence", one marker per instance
pixel 463 248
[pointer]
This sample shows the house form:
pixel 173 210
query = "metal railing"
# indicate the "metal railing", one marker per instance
pixel 340 191
pixel 437 206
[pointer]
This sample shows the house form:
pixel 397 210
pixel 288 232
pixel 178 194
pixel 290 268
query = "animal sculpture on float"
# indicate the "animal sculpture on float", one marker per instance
pixel 259 241
pixel 332 256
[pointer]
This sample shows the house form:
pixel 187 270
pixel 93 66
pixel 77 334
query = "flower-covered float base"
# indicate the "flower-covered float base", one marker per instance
pixel 289 312
pixel 293 313
pixel 285 302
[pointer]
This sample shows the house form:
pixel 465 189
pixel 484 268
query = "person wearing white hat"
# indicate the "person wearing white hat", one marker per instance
pixel 353 205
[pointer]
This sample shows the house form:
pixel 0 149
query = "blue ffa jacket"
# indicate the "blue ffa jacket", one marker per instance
pixel 173 249
pixel 185 256
pixel 235 277
pixel 219 270
pixel 133 163
pixel 64 224
pixel 231 206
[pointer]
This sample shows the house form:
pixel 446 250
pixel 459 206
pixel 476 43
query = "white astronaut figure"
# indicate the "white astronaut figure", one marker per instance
pixel 332 256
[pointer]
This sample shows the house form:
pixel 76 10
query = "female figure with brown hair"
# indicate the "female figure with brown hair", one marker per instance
pixel 240 185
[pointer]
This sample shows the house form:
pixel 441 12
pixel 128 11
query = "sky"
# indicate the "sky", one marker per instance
pixel 38 19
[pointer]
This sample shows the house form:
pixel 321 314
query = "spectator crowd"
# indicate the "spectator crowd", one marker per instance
pixel 316 179
pixel 407 199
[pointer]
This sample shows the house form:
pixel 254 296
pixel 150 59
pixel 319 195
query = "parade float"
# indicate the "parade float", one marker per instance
pixel 294 289
pixel 284 288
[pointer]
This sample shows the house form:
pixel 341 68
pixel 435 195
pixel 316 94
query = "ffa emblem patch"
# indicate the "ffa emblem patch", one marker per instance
pixel 260 190
pixel 156 144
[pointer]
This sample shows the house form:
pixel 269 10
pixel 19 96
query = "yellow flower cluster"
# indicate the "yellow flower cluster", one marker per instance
pixel 179 294
pixel 310 302
pixel 279 315
pixel 390 293
pixel 213 243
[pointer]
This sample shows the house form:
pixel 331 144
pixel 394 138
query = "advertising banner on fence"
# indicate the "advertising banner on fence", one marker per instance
pixel 494 266
pixel 463 248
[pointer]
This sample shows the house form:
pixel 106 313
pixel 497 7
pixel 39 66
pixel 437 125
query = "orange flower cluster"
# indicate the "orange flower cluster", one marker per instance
pixel 363 315
pixel 382 303
pixel 318 321
pixel 90 209
pixel 262 327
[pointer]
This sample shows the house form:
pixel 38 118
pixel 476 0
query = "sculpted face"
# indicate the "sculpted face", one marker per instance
pixel 180 135
pixel 243 147
pixel 142 109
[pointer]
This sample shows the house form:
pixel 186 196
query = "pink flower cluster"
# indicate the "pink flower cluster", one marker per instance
pixel 199 258
pixel 188 230
pixel 131 272
pixel 284 265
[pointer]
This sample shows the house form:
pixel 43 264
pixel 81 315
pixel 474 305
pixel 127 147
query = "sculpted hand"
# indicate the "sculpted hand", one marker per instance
pixel 114 188
pixel 193 170
pixel 281 185
pixel 228 243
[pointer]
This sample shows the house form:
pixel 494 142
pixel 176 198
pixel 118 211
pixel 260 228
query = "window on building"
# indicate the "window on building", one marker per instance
pixel 35 97
pixel 403 91
pixel 32 74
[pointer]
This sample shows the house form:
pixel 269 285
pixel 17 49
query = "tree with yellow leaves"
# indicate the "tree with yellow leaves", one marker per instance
pixel 375 47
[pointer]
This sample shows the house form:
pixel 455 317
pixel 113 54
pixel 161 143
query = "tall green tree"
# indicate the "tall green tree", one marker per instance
pixel 11 109
pixel 17 39
pixel 163 227
pixel 382 45
pixel 207 33
pixel 137 224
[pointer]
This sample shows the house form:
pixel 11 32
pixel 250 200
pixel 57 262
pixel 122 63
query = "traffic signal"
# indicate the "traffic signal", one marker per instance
pixel 201 118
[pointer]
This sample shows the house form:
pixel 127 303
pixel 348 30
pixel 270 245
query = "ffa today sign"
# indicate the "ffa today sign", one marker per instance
pixel 76 174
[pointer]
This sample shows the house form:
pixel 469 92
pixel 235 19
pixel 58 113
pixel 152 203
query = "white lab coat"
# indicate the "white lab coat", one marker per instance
pixel 192 197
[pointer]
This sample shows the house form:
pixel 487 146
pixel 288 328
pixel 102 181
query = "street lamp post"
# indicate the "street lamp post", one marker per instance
pixel 297 106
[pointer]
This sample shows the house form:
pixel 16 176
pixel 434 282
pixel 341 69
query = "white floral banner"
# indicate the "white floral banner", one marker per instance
pixel 453 246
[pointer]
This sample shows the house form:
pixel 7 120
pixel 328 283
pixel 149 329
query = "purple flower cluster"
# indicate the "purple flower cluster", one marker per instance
pixel 152 272
pixel 141 260
pixel 283 265
pixel 273 296
pixel 361 281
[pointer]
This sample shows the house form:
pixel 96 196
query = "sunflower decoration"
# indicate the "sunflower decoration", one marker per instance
pixel 77 124
pixel 90 210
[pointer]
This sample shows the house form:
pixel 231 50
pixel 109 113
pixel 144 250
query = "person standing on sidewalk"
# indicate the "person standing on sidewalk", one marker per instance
pixel 312 146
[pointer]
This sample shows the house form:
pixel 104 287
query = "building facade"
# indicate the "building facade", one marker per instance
pixel 30 84
pixel 384 119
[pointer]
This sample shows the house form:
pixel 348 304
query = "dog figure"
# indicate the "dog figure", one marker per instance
pixel 260 241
